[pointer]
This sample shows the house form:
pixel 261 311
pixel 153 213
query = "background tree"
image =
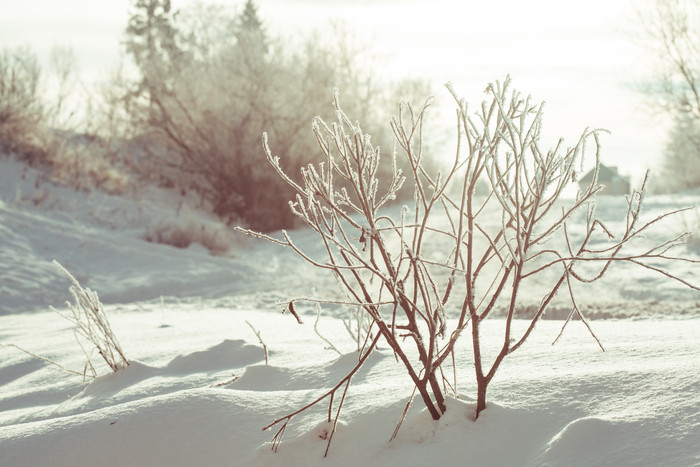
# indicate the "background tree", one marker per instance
pixel 671 31
pixel 250 32
pixel 21 109
pixel 211 82
pixel 151 41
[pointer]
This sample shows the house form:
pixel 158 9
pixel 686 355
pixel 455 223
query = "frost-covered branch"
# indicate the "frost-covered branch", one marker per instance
pixel 453 247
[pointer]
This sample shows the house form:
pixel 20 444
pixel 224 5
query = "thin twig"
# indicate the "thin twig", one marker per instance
pixel 257 334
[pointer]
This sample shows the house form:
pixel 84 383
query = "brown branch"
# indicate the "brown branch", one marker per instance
pixel 346 380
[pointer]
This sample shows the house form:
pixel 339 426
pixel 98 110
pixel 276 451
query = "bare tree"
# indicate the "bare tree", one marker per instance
pixel 680 167
pixel 670 30
pixel 211 81
pixel 419 304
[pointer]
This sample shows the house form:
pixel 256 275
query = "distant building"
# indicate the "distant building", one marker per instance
pixel 615 184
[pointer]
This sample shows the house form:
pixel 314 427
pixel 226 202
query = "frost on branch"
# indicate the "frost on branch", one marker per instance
pixel 91 323
pixel 488 246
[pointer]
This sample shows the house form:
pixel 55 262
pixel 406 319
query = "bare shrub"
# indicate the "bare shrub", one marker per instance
pixel 40 122
pixel 21 110
pixel 435 271
pixel 83 165
pixel 214 238
pixel 92 324
pixel 62 83
pixel 86 135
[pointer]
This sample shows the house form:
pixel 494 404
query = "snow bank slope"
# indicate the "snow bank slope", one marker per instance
pixel 100 239
pixel 568 405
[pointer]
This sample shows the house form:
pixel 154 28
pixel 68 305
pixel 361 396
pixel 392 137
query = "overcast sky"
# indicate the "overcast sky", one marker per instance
pixel 573 55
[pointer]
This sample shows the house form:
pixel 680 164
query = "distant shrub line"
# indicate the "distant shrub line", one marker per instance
pixel 208 83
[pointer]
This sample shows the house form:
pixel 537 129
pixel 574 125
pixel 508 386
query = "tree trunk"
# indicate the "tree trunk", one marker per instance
pixel 434 410
pixel 439 397
pixel 481 385
pixel 481 380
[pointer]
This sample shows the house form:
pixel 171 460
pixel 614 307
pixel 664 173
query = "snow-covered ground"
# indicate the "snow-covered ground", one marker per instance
pixel 184 316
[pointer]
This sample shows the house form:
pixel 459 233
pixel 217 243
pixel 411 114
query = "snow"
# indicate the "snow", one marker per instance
pixel 198 390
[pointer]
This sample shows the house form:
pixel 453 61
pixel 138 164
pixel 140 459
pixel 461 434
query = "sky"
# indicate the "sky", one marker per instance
pixel 578 57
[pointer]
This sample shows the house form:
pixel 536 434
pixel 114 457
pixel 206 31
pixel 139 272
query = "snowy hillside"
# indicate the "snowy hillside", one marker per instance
pixel 199 391
pixel 101 239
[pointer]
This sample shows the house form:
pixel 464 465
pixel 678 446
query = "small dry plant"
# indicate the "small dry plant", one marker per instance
pixel 436 270
pixel 92 324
